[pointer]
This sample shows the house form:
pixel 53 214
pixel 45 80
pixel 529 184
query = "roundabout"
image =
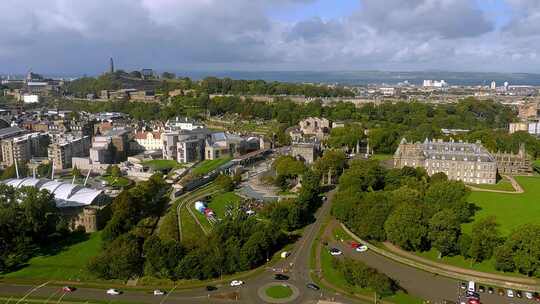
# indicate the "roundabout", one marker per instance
pixel 278 292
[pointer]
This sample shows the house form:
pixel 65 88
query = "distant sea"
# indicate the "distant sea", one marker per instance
pixel 376 77
pixel 362 77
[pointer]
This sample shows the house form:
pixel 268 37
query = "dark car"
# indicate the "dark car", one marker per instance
pixel 211 288
pixel 500 292
pixel 472 295
pixel 463 285
pixel 518 294
pixel 490 290
pixel 281 277
pixel 312 286
pixel 481 288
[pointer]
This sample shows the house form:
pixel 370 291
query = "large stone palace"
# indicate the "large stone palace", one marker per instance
pixel 467 162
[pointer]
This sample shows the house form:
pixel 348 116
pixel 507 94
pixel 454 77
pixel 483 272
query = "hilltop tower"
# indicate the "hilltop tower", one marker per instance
pixel 111 65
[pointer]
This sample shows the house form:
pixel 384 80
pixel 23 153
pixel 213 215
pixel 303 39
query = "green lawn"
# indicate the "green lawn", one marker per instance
pixel 68 264
pixel 460 261
pixel 335 277
pixel 382 156
pixel 220 202
pixel 503 185
pixel 162 164
pixel 279 291
pixel 511 210
pixel 116 181
pixel 340 234
pixel 206 166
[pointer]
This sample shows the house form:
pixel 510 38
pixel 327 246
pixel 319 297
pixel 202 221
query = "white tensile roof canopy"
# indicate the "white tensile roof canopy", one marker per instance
pixel 65 194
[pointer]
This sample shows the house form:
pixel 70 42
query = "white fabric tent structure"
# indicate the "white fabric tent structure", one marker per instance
pixel 65 194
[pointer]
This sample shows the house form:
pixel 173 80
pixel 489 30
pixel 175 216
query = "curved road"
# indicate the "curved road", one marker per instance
pixel 416 282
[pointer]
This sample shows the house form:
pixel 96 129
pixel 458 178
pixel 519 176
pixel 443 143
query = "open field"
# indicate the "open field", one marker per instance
pixel 162 164
pixel 279 292
pixel 511 210
pixel 503 185
pixel 220 202
pixel 207 166
pixel 67 264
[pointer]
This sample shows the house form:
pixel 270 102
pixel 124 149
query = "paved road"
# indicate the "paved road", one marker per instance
pixel 418 282
pixel 248 293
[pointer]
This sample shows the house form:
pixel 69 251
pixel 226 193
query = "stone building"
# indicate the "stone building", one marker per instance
pixel 62 151
pixel 307 150
pixel 529 111
pixel 514 164
pixel 467 162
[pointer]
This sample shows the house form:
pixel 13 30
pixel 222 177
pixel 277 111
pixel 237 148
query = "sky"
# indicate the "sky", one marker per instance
pixel 79 36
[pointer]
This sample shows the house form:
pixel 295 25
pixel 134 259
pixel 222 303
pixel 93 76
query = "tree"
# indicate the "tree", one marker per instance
pixel 333 161
pixel 407 227
pixel 115 171
pixel 122 259
pixel 346 137
pixel 449 195
pixel 444 232
pixel 75 172
pixel 485 238
pixel 225 182
pixel 521 251
pixel 168 75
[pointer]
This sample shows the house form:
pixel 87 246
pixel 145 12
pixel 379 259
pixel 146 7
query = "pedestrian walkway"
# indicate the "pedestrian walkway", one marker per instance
pixel 517 187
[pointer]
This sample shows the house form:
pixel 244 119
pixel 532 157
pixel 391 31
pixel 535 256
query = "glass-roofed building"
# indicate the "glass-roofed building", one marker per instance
pixel 80 204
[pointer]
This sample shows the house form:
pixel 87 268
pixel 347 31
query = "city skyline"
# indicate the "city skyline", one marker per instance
pixel 311 35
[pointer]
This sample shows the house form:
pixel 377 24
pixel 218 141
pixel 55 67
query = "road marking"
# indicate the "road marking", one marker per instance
pixel 52 295
pixel 60 299
pixel 31 291
pixel 167 295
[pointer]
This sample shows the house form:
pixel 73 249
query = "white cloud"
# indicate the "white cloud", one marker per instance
pixel 78 36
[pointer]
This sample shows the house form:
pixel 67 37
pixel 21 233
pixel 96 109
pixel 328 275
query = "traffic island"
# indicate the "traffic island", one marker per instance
pixel 278 292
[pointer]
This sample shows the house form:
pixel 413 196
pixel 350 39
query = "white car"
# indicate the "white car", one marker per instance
pixel 158 292
pixel 113 292
pixel 335 251
pixel 236 283
pixel 529 295
pixel 510 293
pixel 362 248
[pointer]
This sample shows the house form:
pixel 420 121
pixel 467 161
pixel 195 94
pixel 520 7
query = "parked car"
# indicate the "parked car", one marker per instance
pixel 490 290
pixel 236 283
pixel 463 285
pixel 536 297
pixel 518 294
pixel 158 292
pixel 312 286
pixel 68 289
pixel 529 295
pixel 281 277
pixel 113 292
pixel 335 251
pixel 362 248
pixel 510 293
pixel 500 292
pixel 481 288
pixel 211 288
